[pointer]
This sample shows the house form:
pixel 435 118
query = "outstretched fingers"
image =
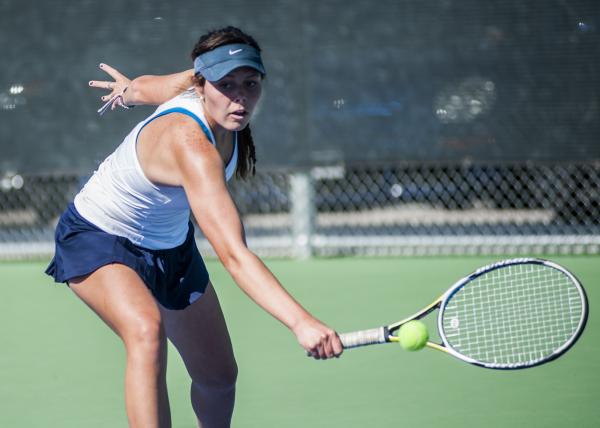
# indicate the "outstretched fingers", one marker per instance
pixel 116 87
pixel 113 72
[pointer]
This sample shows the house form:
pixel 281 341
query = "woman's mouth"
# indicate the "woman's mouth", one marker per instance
pixel 239 114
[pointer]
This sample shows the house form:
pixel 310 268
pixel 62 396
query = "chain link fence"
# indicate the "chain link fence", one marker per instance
pixel 394 96
pixel 369 210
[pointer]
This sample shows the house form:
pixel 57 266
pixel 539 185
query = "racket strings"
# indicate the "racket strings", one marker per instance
pixel 514 315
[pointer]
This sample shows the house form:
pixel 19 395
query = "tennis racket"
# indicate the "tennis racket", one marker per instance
pixel 513 314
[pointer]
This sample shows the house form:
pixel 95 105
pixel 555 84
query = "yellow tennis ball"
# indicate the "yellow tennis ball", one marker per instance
pixel 413 336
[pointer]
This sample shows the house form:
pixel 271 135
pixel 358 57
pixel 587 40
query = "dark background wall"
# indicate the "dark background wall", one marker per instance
pixel 348 82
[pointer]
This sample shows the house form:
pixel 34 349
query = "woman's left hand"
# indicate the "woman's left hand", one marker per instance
pixel 320 341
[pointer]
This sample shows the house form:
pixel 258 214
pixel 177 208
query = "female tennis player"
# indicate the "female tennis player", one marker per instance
pixel 126 247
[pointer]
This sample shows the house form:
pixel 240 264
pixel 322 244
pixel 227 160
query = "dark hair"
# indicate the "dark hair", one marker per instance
pixel 213 39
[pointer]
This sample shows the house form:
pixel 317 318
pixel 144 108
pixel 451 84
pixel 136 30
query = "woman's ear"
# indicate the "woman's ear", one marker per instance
pixel 200 92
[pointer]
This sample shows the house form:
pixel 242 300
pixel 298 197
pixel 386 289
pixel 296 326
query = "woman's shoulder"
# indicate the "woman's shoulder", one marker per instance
pixel 187 112
pixel 188 100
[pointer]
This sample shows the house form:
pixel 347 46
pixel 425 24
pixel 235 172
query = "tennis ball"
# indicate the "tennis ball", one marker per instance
pixel 413 336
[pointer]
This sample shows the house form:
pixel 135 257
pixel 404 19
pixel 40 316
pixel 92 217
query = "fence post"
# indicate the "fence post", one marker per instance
pixel 303 212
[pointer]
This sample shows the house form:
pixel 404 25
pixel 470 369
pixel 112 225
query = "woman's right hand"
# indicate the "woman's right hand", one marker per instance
pixel 117 87
pixel 320 341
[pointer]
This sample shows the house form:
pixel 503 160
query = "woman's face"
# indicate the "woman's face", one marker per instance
pixel 229 102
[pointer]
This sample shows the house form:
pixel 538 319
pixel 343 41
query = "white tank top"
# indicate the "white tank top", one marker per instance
pixel 119 198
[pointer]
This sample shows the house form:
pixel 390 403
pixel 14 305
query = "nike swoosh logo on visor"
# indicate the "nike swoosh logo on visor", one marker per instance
pixel 234 52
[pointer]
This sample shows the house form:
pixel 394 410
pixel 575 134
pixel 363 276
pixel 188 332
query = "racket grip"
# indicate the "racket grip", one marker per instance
pixel 364 337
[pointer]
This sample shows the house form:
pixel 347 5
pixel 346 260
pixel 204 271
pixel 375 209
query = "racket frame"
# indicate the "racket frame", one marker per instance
pixel 447 347
pixel 385 333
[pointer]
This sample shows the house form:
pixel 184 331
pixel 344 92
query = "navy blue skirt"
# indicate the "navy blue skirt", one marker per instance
pixel 176 276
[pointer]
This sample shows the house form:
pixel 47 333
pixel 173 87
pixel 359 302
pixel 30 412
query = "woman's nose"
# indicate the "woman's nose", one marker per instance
pixel 240 95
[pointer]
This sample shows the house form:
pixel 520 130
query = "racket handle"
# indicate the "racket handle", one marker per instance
pixel 364 337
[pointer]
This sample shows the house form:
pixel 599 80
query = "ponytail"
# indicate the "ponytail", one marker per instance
pixel 246 161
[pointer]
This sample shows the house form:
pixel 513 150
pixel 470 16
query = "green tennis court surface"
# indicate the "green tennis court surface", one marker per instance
pixel 61 367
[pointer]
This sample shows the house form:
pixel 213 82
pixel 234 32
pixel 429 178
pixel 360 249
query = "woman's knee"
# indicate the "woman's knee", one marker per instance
pixel 222 378
pixel 228 377
pixel 146 334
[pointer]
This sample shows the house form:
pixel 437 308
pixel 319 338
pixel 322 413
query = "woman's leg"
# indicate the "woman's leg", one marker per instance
pixel 118 295
pixel 200 335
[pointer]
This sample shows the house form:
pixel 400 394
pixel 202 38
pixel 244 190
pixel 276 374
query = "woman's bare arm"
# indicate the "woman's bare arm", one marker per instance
pixel 143 90
pixel 155 90
pixel 200 171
